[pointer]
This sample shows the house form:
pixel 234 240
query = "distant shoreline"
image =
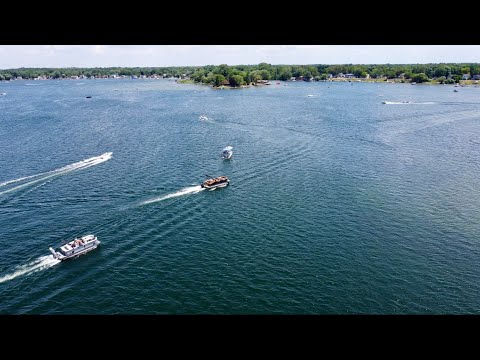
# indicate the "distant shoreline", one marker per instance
pixel 238 76
pixel 346 80
pixel 474 83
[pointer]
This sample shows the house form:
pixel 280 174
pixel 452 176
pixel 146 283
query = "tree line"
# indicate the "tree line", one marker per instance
pixel 245 74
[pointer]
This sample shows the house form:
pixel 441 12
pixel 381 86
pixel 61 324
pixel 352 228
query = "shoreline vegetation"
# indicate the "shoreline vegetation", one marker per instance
pixel 241 76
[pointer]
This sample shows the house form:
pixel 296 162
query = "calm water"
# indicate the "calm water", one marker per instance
pixel 338 203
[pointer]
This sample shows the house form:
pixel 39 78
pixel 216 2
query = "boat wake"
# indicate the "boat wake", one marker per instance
pixel 407 103
pixel 185 191
pixel 33 179
pixel 42 263
pixel 204 118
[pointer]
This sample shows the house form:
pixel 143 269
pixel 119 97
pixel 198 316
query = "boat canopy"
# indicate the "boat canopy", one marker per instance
pixel 228 148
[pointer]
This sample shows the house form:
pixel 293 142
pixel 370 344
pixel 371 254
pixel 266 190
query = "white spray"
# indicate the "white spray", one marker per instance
pixel 185 191
pixel 84 164
pixel 42 263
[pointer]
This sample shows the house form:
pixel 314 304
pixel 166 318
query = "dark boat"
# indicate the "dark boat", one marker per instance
pixel 214 183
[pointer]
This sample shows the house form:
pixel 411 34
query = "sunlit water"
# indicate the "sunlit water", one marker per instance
pixel 337 203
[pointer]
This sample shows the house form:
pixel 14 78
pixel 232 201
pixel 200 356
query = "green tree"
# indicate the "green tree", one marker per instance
pixel 313 70
pixel 457 78
pixel 255 76
pixel 198 75
pixel 441 70
pixel 441 79
pixel 265 74
pixel 285 73
pixel 218 79
pixel 222 69
pixel 474 69
pixel 236 80
pixel 264 66
pixel 419 78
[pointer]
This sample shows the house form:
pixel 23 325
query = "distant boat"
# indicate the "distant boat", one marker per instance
pixel 3 94
pixel 455 90
pixel 77 247
pixel 218 182
pixel 414 83
pixel 88 97
pixel 202 117
pixel 227 153
pixel 309 95
pixel 396 102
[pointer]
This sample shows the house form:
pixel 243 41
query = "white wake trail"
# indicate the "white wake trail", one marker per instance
pixel 21 179
pixel 185 191
pixel 42 263
pixel 84 164
pixel 408 103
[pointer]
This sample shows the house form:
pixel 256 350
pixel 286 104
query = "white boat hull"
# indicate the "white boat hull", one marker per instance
pixel 221 185
pixel 75 252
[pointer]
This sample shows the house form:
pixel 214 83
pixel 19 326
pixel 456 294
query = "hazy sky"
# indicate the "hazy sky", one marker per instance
pixel 14 56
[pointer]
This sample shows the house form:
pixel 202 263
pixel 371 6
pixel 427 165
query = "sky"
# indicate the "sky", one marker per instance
pixel 15 56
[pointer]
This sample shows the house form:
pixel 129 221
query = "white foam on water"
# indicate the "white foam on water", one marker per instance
pixel 395 103
pixel 84 164
pixel 204 118
pixel 408 103
pixel 20 179
pixel 42 263
pixel 185 191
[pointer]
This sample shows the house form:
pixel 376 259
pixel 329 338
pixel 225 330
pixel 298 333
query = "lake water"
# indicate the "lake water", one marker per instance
pixel 337 204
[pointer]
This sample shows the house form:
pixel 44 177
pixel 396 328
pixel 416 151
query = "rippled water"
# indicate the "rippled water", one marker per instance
pixel 337 204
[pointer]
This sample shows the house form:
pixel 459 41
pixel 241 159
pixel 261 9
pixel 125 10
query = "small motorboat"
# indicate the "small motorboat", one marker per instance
pixel 214 183
pixel 227 153
pixel 455 90
pixel 88 97
pixel 76 247
pixel 202 118
pixel 3 93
